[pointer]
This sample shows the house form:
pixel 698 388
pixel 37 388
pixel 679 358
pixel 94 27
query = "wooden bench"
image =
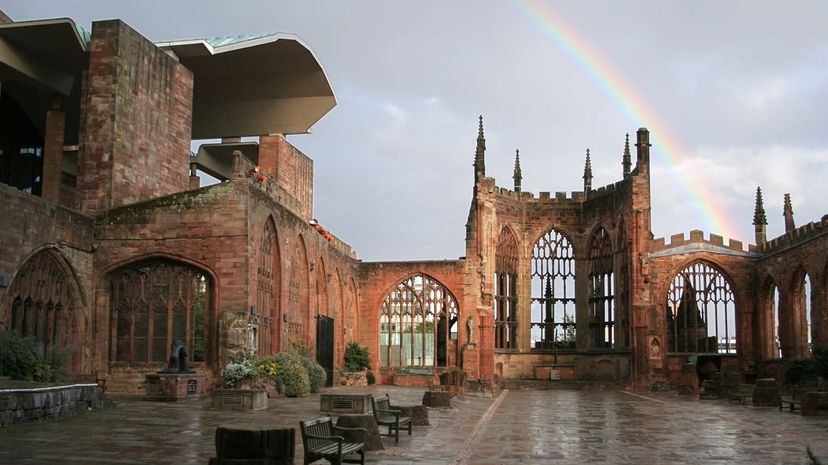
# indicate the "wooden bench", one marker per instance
pixel 393 419
pixel 742 393
pixel 320 442
pixel 789 403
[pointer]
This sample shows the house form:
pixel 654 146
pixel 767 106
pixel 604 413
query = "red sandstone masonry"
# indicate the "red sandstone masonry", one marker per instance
pixel 136 134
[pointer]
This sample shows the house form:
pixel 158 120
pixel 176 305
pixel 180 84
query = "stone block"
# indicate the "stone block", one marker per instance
pixel 239 399
pixel 437 399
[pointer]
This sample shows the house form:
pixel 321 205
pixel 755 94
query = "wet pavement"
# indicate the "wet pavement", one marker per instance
pixel 510 427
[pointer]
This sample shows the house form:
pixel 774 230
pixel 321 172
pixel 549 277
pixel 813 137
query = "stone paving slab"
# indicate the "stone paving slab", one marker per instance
pixel 513 427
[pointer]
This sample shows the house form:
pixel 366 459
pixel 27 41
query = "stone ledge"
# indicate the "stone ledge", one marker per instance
pixel 23 405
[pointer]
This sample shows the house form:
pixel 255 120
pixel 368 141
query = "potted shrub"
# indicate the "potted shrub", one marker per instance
pixel 357 369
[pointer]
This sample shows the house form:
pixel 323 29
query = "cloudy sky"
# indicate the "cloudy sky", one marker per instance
pixel 735 95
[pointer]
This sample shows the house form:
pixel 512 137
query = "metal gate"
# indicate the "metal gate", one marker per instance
pixel 325 345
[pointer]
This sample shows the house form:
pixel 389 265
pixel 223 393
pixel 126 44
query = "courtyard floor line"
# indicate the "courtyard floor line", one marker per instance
pixel 643 397
pixel 463 458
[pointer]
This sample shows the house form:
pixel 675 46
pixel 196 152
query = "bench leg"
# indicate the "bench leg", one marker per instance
pixel 397 433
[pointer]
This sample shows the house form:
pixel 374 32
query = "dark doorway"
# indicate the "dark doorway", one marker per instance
pixel 325 345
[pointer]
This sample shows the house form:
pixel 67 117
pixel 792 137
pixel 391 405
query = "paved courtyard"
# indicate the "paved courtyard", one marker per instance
pixel 510 427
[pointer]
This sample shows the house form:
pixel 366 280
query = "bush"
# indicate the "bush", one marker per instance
pixel 291 376
pixel 22 359
pixel 316 374
pixel 241 366
pixel 356 357
pixel 800 371
pixel 371 378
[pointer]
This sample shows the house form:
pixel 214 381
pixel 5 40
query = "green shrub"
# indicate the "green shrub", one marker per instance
pixel 291 376
pixel 356 357
pixel 799 371
pixel 820 358
pixel 241 366
pixel 316 374
pixel 371 378
pixel 22 359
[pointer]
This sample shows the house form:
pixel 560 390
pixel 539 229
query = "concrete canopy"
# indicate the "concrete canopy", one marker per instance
pixel 254 85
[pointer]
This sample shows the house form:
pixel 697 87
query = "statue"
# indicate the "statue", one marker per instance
pixel 470 327
pixel 178 359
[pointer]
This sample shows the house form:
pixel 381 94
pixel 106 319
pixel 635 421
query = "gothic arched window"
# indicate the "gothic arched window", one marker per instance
pixel 601 291
pixel 701 314
pixel 505 281
pixel 154 303
pixel 553 293
pixel 418 324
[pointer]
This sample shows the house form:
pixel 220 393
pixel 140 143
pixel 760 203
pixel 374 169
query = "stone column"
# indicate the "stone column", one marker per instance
pixel 53 152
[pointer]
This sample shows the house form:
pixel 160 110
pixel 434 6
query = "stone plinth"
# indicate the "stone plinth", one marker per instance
pixel 437 399
pixel 175 386
pixel 371 437
pixel 251 444
pixel 814 404
pixel 766 393
pixel 417 413
pixel 240 399
pixel 345 403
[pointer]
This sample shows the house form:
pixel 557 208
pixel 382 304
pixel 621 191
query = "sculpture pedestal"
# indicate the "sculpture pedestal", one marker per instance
pixel 417 413
pixel 175 386
pixel 437 399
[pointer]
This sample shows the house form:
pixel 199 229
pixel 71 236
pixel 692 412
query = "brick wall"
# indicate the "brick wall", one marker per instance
pixel 290 168
pixel 135 140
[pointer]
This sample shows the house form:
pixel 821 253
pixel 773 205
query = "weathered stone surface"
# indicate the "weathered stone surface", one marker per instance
pixel 21 405
pixel 371 437
pixel 437 399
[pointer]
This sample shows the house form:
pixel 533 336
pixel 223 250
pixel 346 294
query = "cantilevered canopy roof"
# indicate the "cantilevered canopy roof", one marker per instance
pixel 217 159
pixel 253 85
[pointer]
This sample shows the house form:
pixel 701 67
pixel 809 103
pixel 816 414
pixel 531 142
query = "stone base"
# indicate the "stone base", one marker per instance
pixel 371 438
pixel 437 399
pixel 345 403
pixel 175 386
pixel 242 444
pixel 766 393
pixel 240 399
pixel 417 413
pixel 814 404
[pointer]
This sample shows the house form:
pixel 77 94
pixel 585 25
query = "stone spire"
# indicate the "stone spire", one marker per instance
pixel 587 174
pixel 480 153
pixel 627 161
pixel 788 214
pixel 760 221
pixel 517 176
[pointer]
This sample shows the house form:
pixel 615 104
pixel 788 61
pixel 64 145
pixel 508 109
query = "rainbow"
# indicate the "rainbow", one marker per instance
pixel 665 146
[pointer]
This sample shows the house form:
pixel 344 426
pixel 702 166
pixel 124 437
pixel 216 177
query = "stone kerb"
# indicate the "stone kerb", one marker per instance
pixel 23 405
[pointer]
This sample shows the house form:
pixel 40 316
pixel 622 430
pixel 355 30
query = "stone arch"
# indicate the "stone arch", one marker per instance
pixel 298 293
pixel 553 310
pixel 623 295
pixel 45 301
pixel 505 311
pixel 768 316
pixel 418 324
pixel 322 300
pixel 352 319
pixel 268 289
pixel 801 306
pixel 154 300
pixel 338 313
pixel 701 309
pixel 601 290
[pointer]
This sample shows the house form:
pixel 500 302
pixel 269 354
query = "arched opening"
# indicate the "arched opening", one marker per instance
pixel 418 324
pixel 802 314
pixel 42 306
pixel 506 291
pixel 154 303
pixel 553 293
pixel 298 293
pixel 268 291
pixel 601 291
pixel 701 315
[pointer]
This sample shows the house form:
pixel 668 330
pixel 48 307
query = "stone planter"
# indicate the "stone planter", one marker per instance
pixel 239 399
pixel 354 378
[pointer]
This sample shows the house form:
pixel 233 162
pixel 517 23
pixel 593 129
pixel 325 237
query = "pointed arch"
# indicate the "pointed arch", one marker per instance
pixel 622 287
pixel 801 311
pixel 268 290
pixel 701 311
pixel 154 302
pixel 601 290
pixel 44 301
pixel 507 257
pixel 299 296
pixel 553 293
pixel 770 331
pixel 418 323
pixel 322 307
pixel 352 319
pixel 337 313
